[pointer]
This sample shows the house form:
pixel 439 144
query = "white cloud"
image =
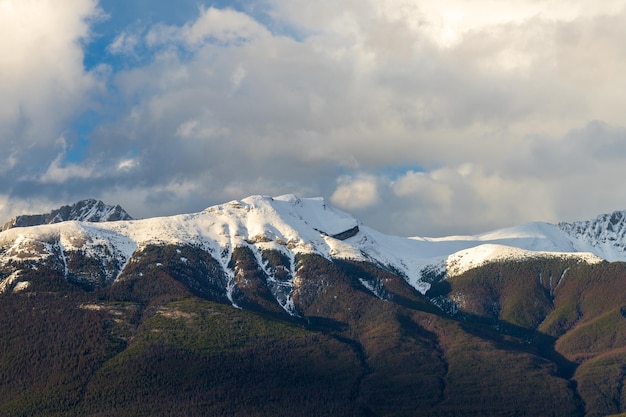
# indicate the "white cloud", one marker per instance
pixel 125 44
pixel 509 109
pixel 448 22
pixel 371 85
pixel 59 173
pixel 127 164
pixel 356 193
pixel 41 71
pixel 224 26
pixel 429 187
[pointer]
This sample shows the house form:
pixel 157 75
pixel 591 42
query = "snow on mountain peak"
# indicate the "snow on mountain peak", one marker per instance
pixel 605 235
pixel 294 225
pixel 89 210
pixel 462 261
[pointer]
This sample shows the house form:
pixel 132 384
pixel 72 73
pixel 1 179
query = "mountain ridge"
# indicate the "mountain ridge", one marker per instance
pixel 88 210
pixel 292 225
pixel 329 319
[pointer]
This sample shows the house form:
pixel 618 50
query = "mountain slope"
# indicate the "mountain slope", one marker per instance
pixel 331 318
pixel 290 226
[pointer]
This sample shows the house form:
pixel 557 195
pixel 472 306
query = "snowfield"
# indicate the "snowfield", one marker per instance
pixel 295 225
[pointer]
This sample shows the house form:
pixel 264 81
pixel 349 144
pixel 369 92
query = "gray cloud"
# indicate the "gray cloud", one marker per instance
pixel 512 115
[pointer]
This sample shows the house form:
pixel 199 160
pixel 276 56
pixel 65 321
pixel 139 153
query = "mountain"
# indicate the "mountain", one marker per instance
pixel 290 226
pixel 85 210
pixel 286 306
pixel 605 235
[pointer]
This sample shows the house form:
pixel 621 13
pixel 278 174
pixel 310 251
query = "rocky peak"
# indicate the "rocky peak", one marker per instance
pixel 609 227
pixel 89 210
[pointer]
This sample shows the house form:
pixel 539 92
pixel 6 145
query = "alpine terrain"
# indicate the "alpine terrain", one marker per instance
pixel 286 306
pixel 86 211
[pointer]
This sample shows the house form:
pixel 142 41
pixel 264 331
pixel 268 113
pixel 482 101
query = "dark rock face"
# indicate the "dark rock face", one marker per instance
pixel 347 234
pixel 86 210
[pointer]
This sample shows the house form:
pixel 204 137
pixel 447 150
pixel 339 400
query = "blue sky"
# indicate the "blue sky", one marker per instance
pixel 419 117
pixel 122 15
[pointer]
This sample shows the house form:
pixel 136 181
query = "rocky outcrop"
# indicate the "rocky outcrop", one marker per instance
pixel 86 210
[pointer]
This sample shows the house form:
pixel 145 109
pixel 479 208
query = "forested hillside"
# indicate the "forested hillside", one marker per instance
pixel 520 338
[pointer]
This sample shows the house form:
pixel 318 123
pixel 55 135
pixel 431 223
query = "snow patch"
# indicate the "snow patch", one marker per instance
pixel 21 286
pixel 6 283
pixel 295 225
pixel 374 289
pixel 464 260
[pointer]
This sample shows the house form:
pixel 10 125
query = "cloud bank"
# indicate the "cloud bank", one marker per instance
pixel 420 118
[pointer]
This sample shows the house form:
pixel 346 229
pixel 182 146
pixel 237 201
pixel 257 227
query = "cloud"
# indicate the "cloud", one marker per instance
pixel 41 73
pixel 59 173
pixel 224 26
pixel 469 197
pixel 43 84
pixel 125 44
pixel 356 193
pixel 509 110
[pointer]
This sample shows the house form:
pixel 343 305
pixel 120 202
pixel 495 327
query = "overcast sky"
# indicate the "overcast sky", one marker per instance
pixel 418 117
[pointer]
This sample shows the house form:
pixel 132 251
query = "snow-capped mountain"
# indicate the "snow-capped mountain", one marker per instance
pixel 289 226
pixel 604 236
pixel 321 298
pixel 89 210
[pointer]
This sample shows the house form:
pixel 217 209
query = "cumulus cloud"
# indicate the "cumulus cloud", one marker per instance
pixel 41 70
pixel 445 198
pixel 356 193
pixel 510 111
pixel 43 85
pixel 224 26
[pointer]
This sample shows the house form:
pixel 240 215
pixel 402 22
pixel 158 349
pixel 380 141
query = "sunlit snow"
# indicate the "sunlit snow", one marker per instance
pixel 295 225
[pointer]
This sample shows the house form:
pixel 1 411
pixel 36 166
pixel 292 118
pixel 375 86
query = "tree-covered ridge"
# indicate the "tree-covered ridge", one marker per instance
pixel 528 338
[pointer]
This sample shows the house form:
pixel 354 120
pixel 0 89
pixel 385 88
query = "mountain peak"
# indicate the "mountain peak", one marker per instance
pixel 292 225
pixel 604 235
pixel 88 210
pixel 258 212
